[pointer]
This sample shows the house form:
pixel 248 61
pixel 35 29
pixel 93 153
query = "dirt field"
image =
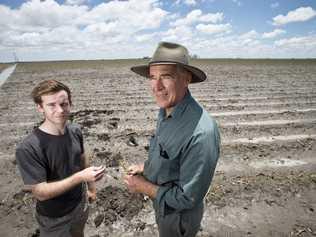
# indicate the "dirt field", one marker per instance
pixel 265 182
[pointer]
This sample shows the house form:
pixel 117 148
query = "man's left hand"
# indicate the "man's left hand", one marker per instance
pixel 134 183
pixel 138 184
pixel 91 194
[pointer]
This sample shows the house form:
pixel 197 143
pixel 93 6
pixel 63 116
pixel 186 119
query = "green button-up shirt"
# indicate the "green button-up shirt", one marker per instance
pixel 182 156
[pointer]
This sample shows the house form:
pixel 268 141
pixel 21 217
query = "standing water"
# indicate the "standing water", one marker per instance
pixel 6 73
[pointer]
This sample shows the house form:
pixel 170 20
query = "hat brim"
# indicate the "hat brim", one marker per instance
pixel 197 74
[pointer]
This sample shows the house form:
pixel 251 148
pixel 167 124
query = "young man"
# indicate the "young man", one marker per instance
pixel 184 151
pixel 53 166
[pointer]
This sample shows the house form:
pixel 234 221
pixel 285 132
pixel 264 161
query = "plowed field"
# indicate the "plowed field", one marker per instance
pixel 265 181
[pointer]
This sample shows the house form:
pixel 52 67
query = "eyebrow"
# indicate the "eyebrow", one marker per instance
pixel 164 74
pixel 62 102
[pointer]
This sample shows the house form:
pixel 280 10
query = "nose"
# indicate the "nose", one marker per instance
pixel 59 109
pixel 157 85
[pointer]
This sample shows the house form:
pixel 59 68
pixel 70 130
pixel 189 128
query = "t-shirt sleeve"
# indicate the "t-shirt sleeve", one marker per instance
pixel 79 134
pixel 31 166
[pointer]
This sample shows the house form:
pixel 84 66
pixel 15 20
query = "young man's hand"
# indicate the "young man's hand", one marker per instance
pixel 91 174
pixel 91 194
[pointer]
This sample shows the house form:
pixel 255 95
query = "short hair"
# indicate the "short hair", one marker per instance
pixel 48 87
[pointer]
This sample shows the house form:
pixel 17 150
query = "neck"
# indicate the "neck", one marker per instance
pixel 168 111
pixel 53 129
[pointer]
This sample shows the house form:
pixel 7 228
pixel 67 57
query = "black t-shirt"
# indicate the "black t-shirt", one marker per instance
pixel 42 157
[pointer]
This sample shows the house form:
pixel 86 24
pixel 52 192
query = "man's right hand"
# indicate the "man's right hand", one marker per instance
pixel 135 169
pixel 92 174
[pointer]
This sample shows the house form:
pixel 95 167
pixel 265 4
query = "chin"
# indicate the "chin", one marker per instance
pixel 162 105
pixel 61 121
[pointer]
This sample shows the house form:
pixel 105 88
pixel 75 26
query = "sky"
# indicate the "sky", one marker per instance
pixel 41 30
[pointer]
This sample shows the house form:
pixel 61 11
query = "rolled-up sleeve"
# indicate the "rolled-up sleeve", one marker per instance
pixel 197 165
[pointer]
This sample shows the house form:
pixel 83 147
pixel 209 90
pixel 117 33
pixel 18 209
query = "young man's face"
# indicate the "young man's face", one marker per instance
pixel 55 107
pixel 168 84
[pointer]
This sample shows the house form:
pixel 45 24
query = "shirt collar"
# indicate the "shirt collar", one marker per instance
pixel 178 109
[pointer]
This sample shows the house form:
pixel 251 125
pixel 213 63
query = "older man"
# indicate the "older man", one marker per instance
pixel 183 152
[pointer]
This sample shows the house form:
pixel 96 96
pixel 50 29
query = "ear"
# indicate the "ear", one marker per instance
pixel 40 108
pixel 188 78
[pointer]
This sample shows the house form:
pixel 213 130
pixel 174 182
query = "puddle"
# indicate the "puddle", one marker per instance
pixel 283 162
pixel 6 73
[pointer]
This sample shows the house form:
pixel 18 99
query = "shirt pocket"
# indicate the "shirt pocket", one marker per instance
pixel 152 141
pixel 169 167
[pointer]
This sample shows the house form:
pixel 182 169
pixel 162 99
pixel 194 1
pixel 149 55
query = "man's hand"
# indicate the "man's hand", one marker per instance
pixel 138 184
pixel 134 183
pixel 135 169
pixel 91 174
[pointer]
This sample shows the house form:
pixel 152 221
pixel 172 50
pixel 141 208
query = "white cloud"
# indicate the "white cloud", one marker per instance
pixel 197 16
pixel 179 33
pixel 75 2
pixel 273 34
pixel 37 23
pixel 146 37
pixel 249 35
pixel 214 29
pixel 132 16
pixel 39 16
pixel 300 14
pixel 303 42
pixel 190 2
pixel 274 5
pixel 121 29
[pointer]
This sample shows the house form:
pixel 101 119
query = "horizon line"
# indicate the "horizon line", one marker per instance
pixel 147 58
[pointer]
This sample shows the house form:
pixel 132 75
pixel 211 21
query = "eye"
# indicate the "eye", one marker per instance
pixel 65 104
pixel 166 77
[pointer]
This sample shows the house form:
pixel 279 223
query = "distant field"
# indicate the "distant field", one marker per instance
pixel 265 182
pixel 4 66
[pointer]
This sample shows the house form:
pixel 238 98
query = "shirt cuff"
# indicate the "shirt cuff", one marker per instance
pixel 159 202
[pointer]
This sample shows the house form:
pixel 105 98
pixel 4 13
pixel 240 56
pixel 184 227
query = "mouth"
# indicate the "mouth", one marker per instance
pixel 161 94
pixel 62 117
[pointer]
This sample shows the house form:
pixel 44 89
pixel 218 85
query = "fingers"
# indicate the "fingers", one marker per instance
pixel 133 169
pixel 91 194
pixel 98 177
pixel 91 197
pixel 93 173
pixel 100 171
pixel 127 179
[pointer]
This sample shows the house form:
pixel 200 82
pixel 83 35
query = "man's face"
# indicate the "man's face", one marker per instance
pixel 168 84
pixel 55 107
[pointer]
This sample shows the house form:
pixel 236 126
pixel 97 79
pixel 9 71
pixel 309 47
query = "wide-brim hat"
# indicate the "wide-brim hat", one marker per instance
pixel 171 53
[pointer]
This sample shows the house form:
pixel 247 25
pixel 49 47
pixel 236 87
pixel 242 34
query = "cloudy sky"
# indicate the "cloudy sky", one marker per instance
pixel 38 30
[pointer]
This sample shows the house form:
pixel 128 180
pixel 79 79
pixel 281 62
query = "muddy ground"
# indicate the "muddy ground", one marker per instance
pixel 265 181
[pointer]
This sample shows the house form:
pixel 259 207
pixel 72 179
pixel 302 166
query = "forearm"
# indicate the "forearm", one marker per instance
pixel 44 191
pixel 176 198
pixel 149 189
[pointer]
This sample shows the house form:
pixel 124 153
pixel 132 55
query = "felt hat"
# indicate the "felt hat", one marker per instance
pixel 171 53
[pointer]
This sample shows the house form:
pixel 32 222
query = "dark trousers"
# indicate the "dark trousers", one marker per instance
pixel 180 224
